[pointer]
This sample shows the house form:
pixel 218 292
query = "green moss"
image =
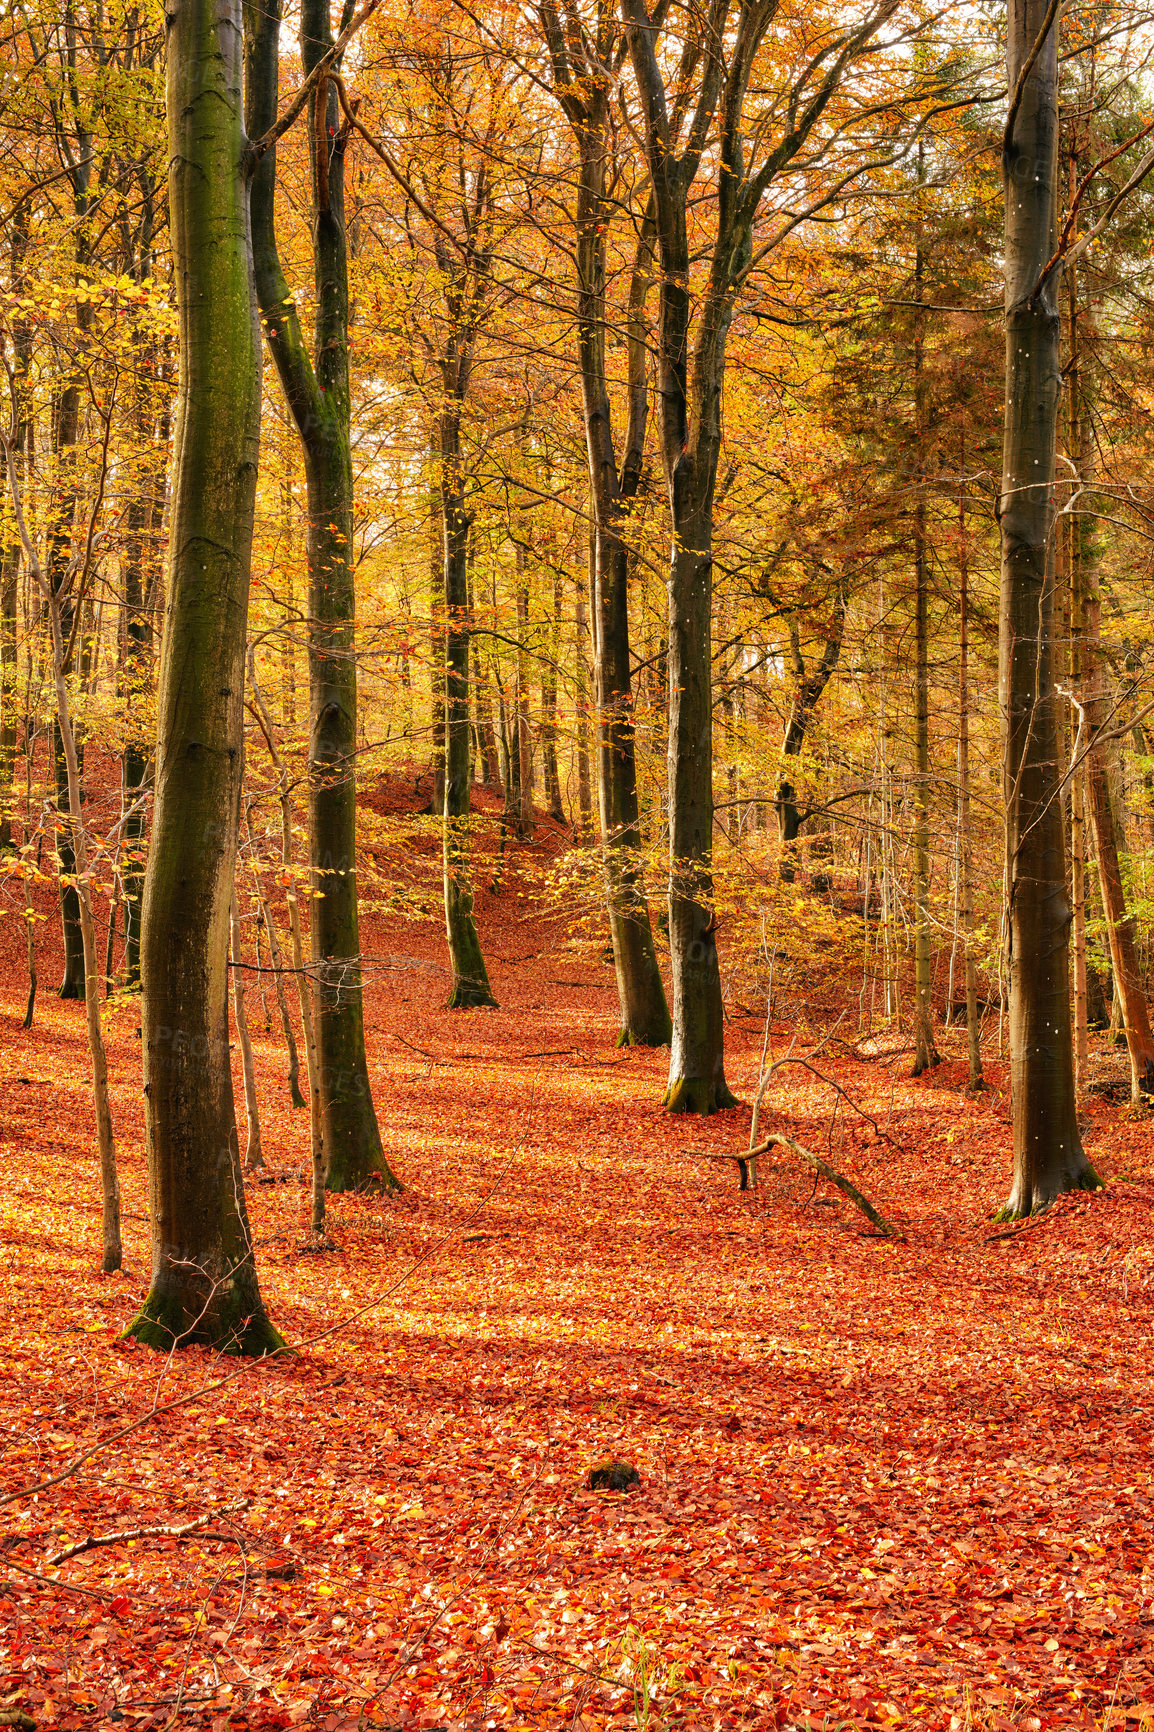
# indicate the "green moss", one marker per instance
pixel 163 1323
pixel 698 1094
pixel 467 995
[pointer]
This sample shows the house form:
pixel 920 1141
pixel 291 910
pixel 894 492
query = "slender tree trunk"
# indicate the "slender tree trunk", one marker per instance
pixel 300 972
pixel 317 392
pixel 645 1018
pixel 524 736
pixel 809 685
pixel 1121 929
pixel 966 860
pixel 437 646
pixel 584 94
pixel 254 1155
pixel 1048 1153
pixel 142 538
pixel 10 551
pixel 581 651
pixel 483 704
pixel 470 986
pixel 204 1282
pixel 926 1054
pixel 276 957
pixel 66 437
pixel 549 707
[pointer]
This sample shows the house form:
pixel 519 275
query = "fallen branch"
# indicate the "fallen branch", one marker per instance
pixel 17 1717
pixel 168 1531
pixel 837 1088
pixel 780 1140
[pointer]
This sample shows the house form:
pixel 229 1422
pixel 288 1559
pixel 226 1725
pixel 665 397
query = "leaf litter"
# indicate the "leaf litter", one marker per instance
pixel 883 1484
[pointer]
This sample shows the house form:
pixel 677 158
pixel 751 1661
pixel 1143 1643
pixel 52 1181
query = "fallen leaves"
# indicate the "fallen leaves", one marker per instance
pixel 882 1484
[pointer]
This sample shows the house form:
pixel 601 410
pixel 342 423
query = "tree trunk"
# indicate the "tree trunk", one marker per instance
pixel 523 732
pixel 143 533
pixel 204 1283
pixel 276 957
pixel 926 1054
pixel 549 707
pixel 66 436
pixel 1048 1153
pixel 254 1155
pixel 10 554
pixel 437 645
pixel 645 1019
pixel 470 986
pixel 809 684
pixel 581 652
pixel 1120 924
pixel 304 984
pixel 318 396
pixel 966 862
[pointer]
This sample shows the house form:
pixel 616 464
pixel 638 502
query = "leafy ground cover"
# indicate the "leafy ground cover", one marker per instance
pixel 882 1483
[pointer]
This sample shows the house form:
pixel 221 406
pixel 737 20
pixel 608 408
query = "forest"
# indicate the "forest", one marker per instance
pixel 577 865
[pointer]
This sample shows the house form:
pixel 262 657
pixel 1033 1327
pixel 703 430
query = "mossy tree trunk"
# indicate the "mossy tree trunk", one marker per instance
pixel 204 1285
pixel 1048 1153
pixel 317 392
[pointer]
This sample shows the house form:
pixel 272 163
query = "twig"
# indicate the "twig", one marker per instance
pixel 55 1581
pixel 848 1098
pixel 170 1531
pixel 779 1139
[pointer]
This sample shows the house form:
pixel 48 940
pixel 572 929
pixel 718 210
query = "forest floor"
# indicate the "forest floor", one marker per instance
pixel 883 1483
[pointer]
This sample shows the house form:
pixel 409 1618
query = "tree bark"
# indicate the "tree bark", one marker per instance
pixel 204 1282
pixel 276 957
pixel 926 1054
pixel 65 438
pixel 549 706
pixel 1048 1153
pixel 470 986
pixel 1120 924
pixel 254 1154
pixel 966 862
pixel 317 393
pixel 809 684
pixel 10 552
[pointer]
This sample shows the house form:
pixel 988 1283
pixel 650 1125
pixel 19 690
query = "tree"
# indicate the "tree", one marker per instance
pixel 204 1284
pixel 712 81
pixel 317 392
pixel 1048 1153
pixel 582 84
